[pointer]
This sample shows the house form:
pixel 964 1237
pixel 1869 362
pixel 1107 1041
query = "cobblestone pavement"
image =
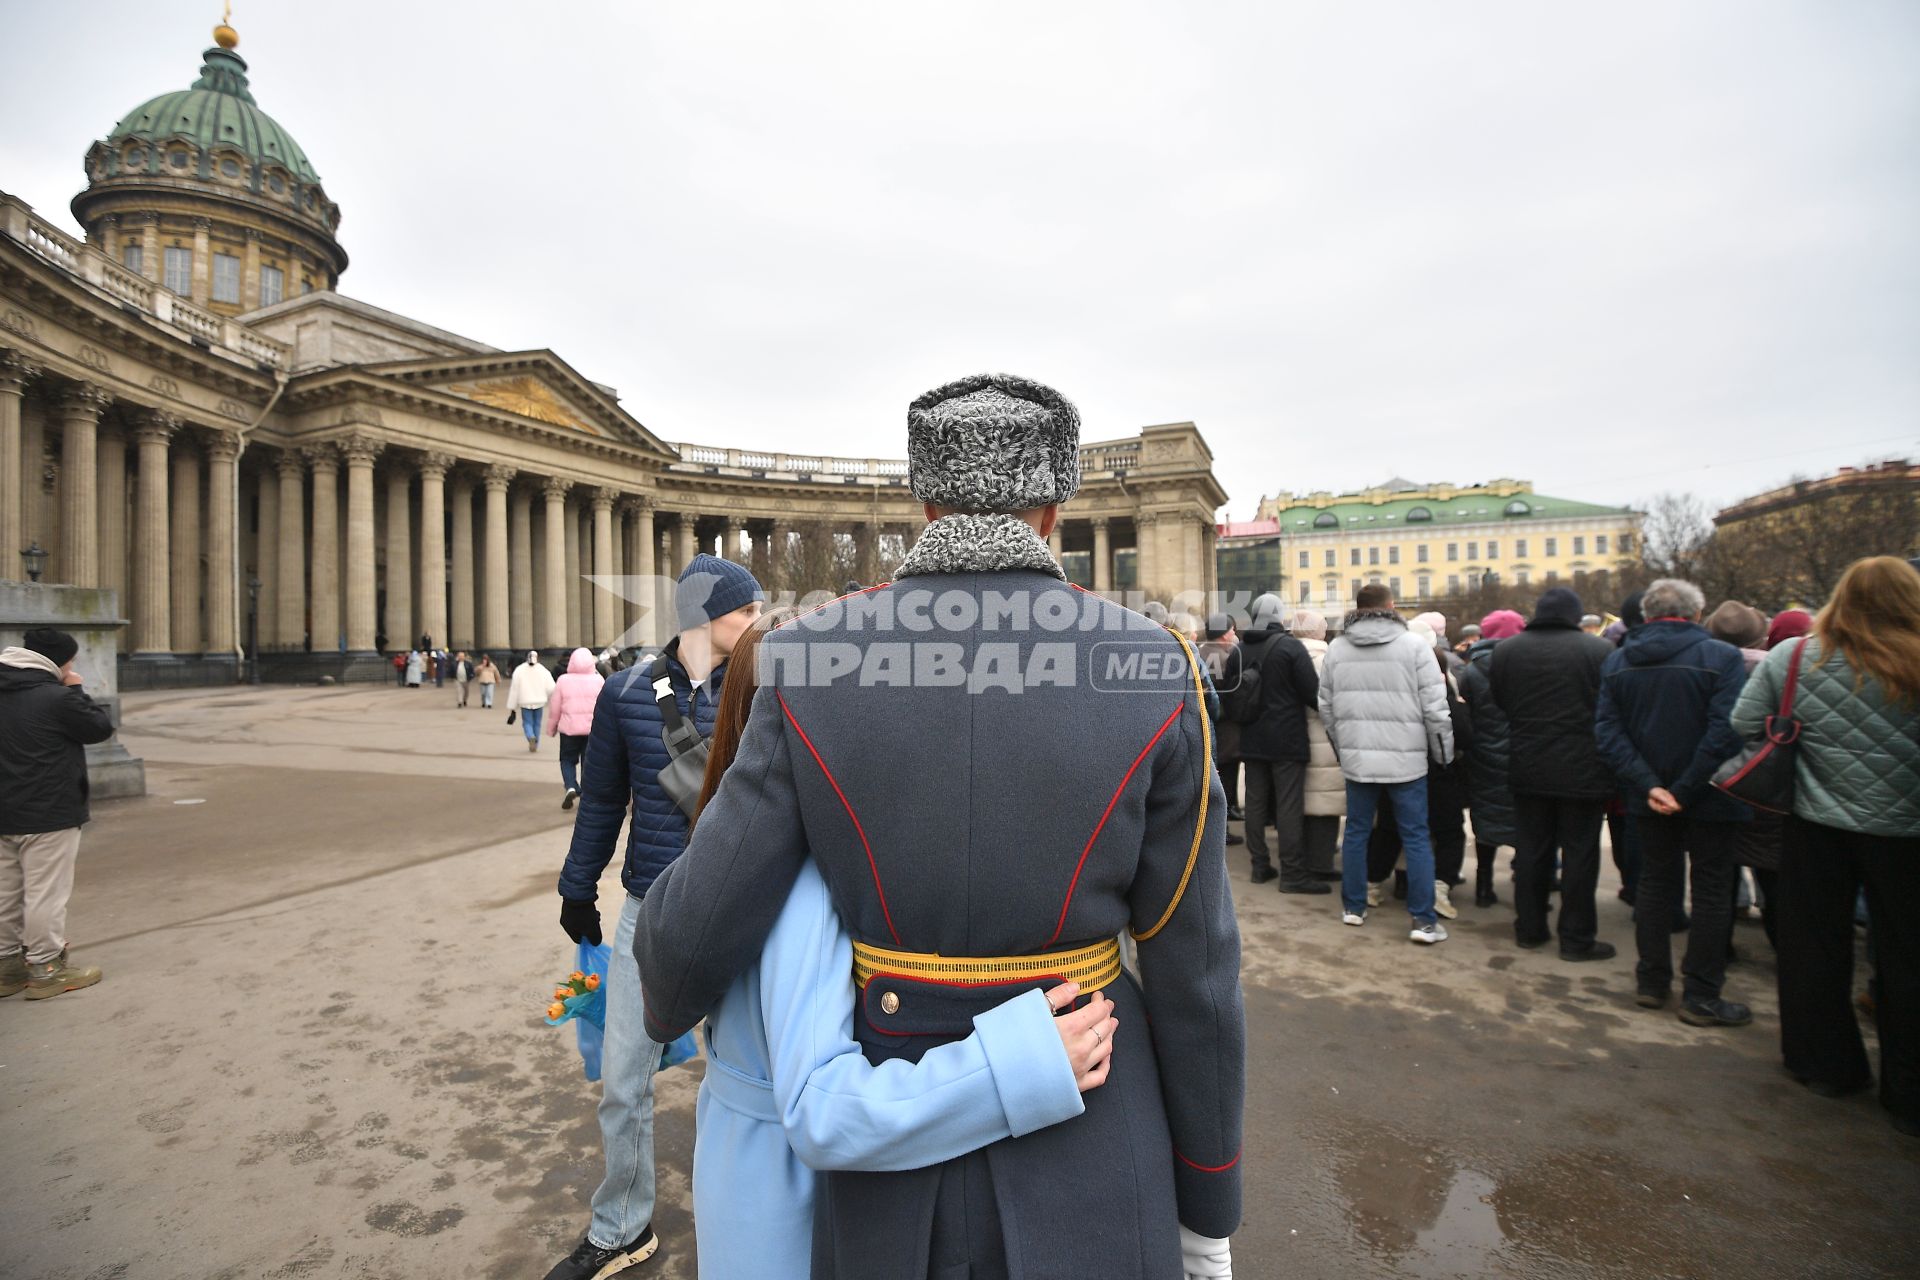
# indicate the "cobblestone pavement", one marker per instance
pixel 329 930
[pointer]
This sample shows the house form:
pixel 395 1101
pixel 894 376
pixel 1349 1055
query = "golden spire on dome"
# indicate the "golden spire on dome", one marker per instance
pixel 224 35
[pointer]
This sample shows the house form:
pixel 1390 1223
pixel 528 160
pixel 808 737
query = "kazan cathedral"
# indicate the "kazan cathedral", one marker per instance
pixel 193 416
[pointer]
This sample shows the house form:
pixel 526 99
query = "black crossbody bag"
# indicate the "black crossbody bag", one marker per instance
pixel 1762 774
pixel 686 767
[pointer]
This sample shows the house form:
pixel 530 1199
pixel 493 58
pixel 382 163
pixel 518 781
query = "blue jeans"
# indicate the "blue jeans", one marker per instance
pixel 530 725
pixel 1409 801
pixel 572 747
pixel 623 1206
pixel 486 696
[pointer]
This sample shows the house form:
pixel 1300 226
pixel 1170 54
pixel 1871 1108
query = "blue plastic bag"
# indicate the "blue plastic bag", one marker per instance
pixel 588 1010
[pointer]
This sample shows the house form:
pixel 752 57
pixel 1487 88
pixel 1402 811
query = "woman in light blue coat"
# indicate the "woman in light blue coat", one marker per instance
pixel 788 1090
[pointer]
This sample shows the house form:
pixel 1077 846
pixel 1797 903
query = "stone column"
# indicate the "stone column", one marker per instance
pixel 433 548
pixel 266 558
pixel 684 546
pixel 622 567
pixel 324 461
pixel 1146 563
pixel 646 542
pixel 290 634
pixel 553 581
pixel 604 599
pixel 250 271
pixel 184 500
pixel 203 263
pixel 110 484
pixel 363 579
pixel 735 527
pixel 520 571
pixel 152 625
pixel 495 632
pixel 80 407
pixel 150 246
pixel 15 370
pixel 571 568
pixel 1102 556
pixel 223 546
pixel 866 557
pixel 399 614
pixel 1053 539
pixel 461 627
pixel 779 554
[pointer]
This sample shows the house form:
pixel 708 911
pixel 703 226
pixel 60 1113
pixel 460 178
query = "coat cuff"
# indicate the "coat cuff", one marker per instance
pixel 1029 1064
pixel 1208 1198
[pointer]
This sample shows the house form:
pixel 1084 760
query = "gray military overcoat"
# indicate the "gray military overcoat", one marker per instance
pixel 970 819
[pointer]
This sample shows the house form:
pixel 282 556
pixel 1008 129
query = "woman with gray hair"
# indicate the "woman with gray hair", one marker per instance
pixel 1326 791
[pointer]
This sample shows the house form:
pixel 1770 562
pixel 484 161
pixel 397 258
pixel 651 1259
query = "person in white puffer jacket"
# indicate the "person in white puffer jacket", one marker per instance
pixel 1383 701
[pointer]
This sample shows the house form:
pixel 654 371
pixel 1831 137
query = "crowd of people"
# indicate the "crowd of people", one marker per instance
pixel 1549 730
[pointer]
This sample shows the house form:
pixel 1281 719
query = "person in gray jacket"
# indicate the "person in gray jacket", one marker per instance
pixel 1383 701
pixel 996 774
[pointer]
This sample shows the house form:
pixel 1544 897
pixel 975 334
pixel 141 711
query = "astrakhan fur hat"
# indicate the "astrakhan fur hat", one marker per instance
pixel 993 442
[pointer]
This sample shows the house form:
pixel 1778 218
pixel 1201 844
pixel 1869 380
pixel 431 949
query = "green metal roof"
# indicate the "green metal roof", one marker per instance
pixel 217 110
pixel 1471 509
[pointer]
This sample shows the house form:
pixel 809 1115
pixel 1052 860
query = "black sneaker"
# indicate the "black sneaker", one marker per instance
pixel 1598 951
pixel 1714 1013
pixel 589 1261
pixel 1307 886
pixel 566 801
pixel 1233 839
pixel 1651 999
pixel 1263 873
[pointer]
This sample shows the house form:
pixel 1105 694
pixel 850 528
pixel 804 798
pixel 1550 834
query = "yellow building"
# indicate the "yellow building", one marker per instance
pixel 1424 542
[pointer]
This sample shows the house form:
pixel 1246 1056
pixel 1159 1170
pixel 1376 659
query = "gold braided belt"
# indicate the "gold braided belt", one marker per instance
pixel 1093 967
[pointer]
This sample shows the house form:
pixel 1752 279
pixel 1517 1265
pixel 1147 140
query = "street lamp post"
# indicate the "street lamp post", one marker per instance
pixel 253 629
pixel 35 558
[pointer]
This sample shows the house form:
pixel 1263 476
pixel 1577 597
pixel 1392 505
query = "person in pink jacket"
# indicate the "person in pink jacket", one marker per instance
pixel 570 717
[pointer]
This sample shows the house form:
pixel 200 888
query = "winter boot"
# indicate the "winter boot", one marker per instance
pixel 13 974
pixel 56 977
pixel 1483 894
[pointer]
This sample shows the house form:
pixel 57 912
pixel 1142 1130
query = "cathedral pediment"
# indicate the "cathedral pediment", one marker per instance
pixel 536 385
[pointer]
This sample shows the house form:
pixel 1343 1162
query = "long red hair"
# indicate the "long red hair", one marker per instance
pixel 736 702
pixel 1873 622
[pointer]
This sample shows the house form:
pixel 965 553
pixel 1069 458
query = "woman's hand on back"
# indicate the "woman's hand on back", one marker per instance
pixel 1086 1034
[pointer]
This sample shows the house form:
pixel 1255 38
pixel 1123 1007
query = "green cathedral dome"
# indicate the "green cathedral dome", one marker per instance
pixel 216 113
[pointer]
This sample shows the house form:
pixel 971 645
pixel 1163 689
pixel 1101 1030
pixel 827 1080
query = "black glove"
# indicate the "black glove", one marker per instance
pixel 581 920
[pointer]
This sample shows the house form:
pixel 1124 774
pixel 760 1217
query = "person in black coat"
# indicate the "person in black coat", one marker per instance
pixel 47 721
pixel 1547 682
pixel 1276 749
pixel 1489 791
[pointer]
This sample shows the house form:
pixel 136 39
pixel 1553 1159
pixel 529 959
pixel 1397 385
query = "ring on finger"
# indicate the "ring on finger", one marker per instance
pixel 1099 1034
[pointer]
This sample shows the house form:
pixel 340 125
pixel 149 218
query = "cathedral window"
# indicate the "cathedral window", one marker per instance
pixel 226 278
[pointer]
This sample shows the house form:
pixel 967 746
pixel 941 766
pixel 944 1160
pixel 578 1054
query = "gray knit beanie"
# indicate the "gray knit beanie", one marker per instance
pixel 993 442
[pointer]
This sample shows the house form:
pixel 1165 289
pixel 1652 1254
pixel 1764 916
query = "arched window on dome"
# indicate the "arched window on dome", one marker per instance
pixel 1326 520
pixel 1419 515
pixel 1517 508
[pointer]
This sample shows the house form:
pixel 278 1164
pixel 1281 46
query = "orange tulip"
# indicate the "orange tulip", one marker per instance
pixel 561 993
pixel 593 982
pixel 556 1010
pixel 576 976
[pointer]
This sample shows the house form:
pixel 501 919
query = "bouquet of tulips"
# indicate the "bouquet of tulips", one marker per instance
pixel 578 997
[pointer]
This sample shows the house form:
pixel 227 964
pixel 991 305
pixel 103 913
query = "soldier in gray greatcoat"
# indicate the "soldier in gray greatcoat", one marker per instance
pixel 996 774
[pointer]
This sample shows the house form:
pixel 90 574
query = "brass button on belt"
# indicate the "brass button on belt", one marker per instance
pixel 890 1003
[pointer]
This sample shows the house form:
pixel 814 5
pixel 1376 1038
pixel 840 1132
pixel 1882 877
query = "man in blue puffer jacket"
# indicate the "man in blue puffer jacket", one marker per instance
pixel 715 601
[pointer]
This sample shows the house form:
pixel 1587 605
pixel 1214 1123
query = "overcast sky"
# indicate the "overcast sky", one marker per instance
pixel 1613 248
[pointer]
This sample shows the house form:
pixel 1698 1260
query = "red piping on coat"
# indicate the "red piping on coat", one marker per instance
pixel 848 806
pixel 1219 1168
pixel 1061 924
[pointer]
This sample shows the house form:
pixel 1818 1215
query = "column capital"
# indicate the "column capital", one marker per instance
pixel 84 400
pixel 154 426
pixel 222 446
pixel 498 477
pixel 360 450
pixel 291 465
pixel 1100 522
pixel 556 487
pixel 203 224
pixel 1146 517
pixel 16 370
pixel 321 457
pixel 436 465
pixel 149 219
pixel 604 497
pixel 635 503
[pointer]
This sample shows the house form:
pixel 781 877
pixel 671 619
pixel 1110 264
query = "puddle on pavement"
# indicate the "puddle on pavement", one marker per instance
pixel 1417 1208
